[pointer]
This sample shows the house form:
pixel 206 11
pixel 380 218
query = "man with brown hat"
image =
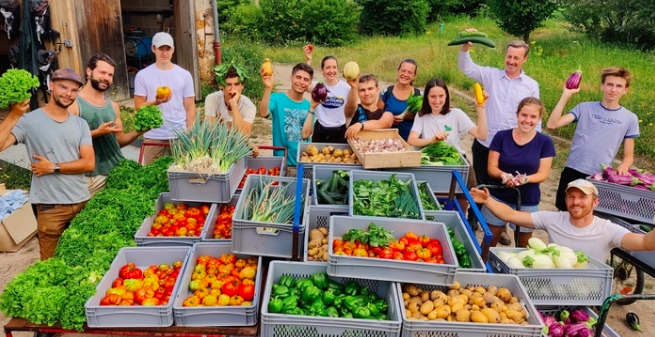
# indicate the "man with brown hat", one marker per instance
pixel 579 228
pixel 59 146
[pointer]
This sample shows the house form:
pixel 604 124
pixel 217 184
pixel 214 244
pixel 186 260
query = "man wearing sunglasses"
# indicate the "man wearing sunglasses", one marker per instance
pixel 60 149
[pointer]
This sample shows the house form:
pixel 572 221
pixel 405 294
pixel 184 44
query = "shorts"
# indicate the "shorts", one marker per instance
pixel 492 220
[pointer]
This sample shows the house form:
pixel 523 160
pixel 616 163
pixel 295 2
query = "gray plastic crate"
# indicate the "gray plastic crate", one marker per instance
pixel 376 176
pixel 323 172
pixel 267 239
pixel 452 220
pixel 625 201
pixel 215 315
pixel 281 325
pixel 387 269
pixel 105 316
pixel 416 328
pixel 607 330
pixel 215 188
pixel 142 239
pixel 319 217
pixel 310 165
pixel 438 176
pixel 211 221
pixel 266 162
pixel 590 286
pixel 433 197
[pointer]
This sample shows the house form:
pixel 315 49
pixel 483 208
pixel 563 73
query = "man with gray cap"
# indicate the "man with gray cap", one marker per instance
pixel 579 228
pixel 59 146
pixel 178 105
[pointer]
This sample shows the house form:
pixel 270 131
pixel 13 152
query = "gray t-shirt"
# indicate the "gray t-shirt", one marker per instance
pixel 59 142
pixel 595 240
pixel 598 135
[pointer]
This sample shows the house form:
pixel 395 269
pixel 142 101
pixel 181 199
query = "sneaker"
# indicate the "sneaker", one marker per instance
pixel 505 240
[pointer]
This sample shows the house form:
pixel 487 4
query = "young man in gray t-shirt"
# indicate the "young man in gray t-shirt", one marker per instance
pixel 601 127
pixel 60 149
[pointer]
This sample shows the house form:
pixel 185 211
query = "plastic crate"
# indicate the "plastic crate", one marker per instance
pixel 211 221
pixel 416 328
pixel 319 217
pixel 216 315
pixel 607 330
pixel 265 162
pixel 376 176
pixel 267 239
pixel 625 201
pixel 647 257
pixel 310 165
pixel 98 316
pixel 433 197
pixel 438 176
pixel 281 325
pixel 214 188
pixel 452 220
pixel 590 286
pixel 323 172
pixel 387 269
pixel 142 239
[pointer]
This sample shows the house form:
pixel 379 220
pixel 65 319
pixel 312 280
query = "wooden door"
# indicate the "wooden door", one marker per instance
pixel 186 41
pixel 100 28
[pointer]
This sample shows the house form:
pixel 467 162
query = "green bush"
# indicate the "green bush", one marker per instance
pixel 521 17
pixel 444 8
pixel 226 10
pixel 330 22
pixel 244 22
pixel 394 17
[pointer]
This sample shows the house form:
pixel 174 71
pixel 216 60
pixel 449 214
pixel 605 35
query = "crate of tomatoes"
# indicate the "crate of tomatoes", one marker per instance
pixel 391 250
pixel 272 166
pixel 219 288
pixel 174 223
pixel 219 223
pixel 138 289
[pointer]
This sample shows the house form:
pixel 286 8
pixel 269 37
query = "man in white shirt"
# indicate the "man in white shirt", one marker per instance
pixel 229 105
pixel 578 228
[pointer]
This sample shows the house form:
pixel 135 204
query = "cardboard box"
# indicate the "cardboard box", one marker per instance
pixel 17 228
pixel 409 158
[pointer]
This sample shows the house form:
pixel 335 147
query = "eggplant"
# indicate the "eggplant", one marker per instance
pixel 320 92
pixel 549 320
pixel 615 178
pixel 575 328
pixel 574 80
pixel 644 178
pixel 597 176
pixel 579 316
pixel 633 321
pixel 556 330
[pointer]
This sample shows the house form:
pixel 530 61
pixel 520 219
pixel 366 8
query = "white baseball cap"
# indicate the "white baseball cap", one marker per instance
pixel 584 186
pixel 162 39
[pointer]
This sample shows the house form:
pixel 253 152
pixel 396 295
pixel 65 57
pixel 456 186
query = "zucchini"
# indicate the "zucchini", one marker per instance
pixel 325 198
pixel 325 185
pixel 334 182
pixel 474 39
pixel 474 33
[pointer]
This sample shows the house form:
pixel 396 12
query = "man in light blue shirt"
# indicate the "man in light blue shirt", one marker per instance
pixel 506 88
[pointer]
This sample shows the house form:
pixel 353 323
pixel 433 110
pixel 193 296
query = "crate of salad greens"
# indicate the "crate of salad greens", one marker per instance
pixel 428 199
pixel 384 194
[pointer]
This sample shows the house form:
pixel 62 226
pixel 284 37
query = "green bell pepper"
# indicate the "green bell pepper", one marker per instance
pixel 382 305
pixel 347 315
pixel 287 281
pixel 335 286
pixel 294 311
pixel 361 312
pixel 303 283
pixel 382 317
pixel 332 312
pixel 289 302
pixel 373 309
pixel 338 301
pixel 364 291
pixel 294 292
pixel 320 280
pixel 275 305
pixel 345 311
pixel 353 302
pixel 351 288
pixel 310 294
pixel 280 291
pixel 464 261
pixel 328 297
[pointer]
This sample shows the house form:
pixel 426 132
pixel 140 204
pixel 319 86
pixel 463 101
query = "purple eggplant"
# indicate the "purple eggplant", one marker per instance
pixel 574 80
pixel 597 176
pixel 549 320
pixel 573 330
pixel 556 330
pixel 579 316
pixel 586 332
pixel 645 178
pixel 615 178
pixel 320 92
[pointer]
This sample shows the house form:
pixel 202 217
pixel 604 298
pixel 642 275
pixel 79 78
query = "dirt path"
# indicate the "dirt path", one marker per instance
pixel 13 263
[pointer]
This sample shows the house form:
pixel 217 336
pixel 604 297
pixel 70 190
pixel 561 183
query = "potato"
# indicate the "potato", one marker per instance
pixel 436 294
pixel 492 290
pixel 426 308
pixel 330 148
pixel 515 306
pixel 432 315
pixel 452 292
pixel 314 243
pixel 455 286
pixel 338 153
pixel 504 294
pixel 311 150
pixel 479 301
pixel 474 295
pixel 324 231
pixel 312 252
pixel 443 311
pixel 480 290
pixel 478 317
pixel 457 299
pixel 425 296
pixel 492 315
pixel 463 315
pixel 506 321
pixel 325 150
pixel 346 152
pixel 513 300
pixel 315 234
pixel 417 315
pixel 406 296
pixel 514 315
pixel 475 307
pixel 438 302
pixel 457 306
pixel 411 289
pixel 466 292
pixel 413 307
pixel 324 257
pixel 498 306
pixel 416 299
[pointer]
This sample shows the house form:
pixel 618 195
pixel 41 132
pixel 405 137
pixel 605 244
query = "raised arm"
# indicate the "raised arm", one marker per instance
pixel 556 120
pixel 481 131
pixel 353 96
pixel 266 97
pixel 7 139
pixel 500 210
pixel 467 66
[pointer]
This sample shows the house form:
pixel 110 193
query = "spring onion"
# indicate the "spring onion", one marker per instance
pixel 268 202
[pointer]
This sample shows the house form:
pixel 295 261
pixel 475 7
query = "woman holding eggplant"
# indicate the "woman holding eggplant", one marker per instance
pixel 519 157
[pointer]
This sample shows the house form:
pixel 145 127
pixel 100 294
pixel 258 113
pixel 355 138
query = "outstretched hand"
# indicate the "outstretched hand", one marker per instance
pixel 480 196
pixel 107 128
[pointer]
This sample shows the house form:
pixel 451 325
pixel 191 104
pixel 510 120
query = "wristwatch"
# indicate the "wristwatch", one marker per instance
pixel 56 167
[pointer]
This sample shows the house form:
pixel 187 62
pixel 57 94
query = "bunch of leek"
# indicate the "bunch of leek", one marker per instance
pixel 269 203
pixel 208 148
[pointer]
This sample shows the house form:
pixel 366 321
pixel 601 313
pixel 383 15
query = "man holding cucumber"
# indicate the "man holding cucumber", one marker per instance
pixel 506 88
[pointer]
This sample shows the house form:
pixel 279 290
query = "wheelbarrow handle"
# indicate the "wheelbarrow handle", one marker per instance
pixel 517 231
pixel 273 147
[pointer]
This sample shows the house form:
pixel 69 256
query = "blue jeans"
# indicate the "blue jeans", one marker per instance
pixel 492 220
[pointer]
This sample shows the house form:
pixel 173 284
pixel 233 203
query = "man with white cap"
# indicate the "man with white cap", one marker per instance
pixel 579 228
pixel 59 146
pixel 178 106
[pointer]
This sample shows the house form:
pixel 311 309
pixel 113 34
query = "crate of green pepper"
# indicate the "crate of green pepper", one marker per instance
pixel 466 247
pixel 300 299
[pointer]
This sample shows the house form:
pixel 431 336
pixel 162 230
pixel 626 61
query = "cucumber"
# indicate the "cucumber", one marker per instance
pixel 476 33
pixel 645 228
pixel 334 182
pixel 474 39
pixel 324 197
pixel 325 185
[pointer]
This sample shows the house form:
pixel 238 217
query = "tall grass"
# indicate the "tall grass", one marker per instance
pixel 555 54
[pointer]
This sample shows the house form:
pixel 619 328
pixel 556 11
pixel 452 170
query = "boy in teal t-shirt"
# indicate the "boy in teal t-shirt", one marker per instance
pixel 289 110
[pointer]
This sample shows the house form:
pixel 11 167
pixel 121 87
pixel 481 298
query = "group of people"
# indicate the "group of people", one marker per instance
pixel 85 133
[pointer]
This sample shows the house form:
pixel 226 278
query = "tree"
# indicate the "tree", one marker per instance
pixel 393 17
pixel 521 17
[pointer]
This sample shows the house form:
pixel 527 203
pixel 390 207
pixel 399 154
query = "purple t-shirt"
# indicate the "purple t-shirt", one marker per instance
pixel 524 159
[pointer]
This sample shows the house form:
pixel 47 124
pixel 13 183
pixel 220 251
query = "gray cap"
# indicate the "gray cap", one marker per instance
pixel 67 74
pixel 162 39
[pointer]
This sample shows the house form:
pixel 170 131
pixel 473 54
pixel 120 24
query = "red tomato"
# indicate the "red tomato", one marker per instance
pixel 410 255
pixel 424 240
pixel 231 288
pixel 411 237
pixel 310 47
pixel 435 249
pixel 247 291
pixel 117 282
pixel 386 254
pixel 130 271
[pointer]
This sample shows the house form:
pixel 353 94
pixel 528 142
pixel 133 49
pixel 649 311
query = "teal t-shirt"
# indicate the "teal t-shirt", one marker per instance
pixel 288 118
